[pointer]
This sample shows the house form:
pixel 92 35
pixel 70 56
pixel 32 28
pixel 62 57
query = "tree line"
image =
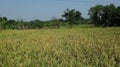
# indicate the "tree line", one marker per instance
pixel 37 24
pixel 33 24
pixel 103 16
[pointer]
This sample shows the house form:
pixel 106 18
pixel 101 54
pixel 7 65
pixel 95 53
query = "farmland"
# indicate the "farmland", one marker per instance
pixel 76 47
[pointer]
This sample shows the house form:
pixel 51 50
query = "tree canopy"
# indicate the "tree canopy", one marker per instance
pixel 71 16
pixel 108 15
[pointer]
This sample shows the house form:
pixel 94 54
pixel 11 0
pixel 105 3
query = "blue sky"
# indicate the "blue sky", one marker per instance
pixel 46 9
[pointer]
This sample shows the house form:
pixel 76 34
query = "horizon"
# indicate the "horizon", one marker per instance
pixel 46 9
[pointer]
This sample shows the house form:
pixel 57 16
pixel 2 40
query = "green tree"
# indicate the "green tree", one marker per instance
pixel 3 21
pixel 117 19
pixel 11 24
pixel 109 15
pixel 96 13
pixel 37 24
pixel 0 22
pixel 55 22
pixel 71 16
pixel 105 16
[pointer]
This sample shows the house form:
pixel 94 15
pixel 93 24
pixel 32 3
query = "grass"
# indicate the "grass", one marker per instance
pixel 77 47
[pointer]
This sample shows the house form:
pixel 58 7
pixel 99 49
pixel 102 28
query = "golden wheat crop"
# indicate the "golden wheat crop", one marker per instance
pixel 84 47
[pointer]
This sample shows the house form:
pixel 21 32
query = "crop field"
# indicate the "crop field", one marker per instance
pixel 76 47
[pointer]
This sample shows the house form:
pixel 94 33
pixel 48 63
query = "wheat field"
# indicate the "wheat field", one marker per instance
pixel 82 47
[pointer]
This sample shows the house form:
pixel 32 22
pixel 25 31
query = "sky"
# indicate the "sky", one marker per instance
pixel 47 9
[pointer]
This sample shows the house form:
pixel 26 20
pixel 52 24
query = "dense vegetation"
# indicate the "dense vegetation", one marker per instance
pixel 85 47
pixel 82 46
pixel 104 16
pixel 20 24
pixel 72 16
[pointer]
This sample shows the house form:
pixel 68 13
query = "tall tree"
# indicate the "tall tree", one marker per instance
pixel 96 14
pixel 109 15
pixel 117 19
pixel 106 16
pixel 71 16
pixel 55 22
pixel 3 21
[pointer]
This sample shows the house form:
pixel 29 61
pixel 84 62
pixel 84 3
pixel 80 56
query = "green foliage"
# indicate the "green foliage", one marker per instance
pixel 105 15
pixel 55 23
pixel 34 24
pixel 37 24
pixel 3 21
pixel 11 24
pixel 96 14
pixel 117 19
pixel 71 16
